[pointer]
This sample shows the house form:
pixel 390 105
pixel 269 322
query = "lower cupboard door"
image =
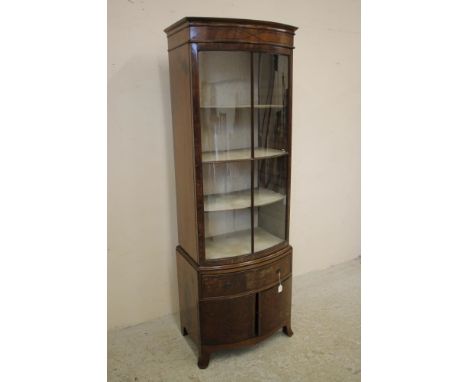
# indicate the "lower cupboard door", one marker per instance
pixel 275 308
pixel 227 321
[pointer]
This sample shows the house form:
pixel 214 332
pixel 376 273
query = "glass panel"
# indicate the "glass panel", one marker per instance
pixel 270 202
pixel 271 95
pixel 225 105
pixel 271 104
pixel 227 204
pixel 225 118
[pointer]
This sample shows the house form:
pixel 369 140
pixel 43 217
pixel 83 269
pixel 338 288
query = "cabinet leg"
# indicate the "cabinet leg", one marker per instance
pixel 203 359
pixel 287 330
pixel 184 331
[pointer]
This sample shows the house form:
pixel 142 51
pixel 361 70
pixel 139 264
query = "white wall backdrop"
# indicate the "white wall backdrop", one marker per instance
pixel 142 226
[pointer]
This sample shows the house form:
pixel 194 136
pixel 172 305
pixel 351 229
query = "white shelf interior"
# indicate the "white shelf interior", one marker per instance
pixel 241 199
pixel 238 243
pixel 240 154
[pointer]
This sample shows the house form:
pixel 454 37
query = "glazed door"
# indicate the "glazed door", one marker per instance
pixel 244 102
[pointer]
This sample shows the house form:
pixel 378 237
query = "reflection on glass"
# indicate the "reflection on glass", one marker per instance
pixel 225 104
pixel 271 91
pixel 228 233
pixel 227 202
pixel 270 217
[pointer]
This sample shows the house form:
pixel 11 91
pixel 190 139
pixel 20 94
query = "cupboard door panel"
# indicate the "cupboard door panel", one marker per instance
pixel 227 321
pixel 275 308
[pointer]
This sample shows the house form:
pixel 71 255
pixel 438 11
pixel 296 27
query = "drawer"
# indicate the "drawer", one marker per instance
pixel 251 280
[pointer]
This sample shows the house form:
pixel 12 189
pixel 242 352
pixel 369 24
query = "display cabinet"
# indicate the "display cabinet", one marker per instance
pixel 231 87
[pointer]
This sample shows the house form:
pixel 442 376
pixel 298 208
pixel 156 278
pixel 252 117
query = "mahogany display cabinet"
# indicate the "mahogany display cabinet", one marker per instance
pixel 231 87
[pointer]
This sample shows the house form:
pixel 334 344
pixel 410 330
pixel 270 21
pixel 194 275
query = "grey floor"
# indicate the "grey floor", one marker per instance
pixel 325 346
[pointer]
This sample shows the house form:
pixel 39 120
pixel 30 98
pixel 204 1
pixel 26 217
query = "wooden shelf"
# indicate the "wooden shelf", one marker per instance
pixel 238 243
pixel 240 154
pixel 241 199
pixel 241 106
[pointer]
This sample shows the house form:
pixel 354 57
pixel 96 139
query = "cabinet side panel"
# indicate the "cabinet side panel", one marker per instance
pixel 181 105
pixel 187 280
